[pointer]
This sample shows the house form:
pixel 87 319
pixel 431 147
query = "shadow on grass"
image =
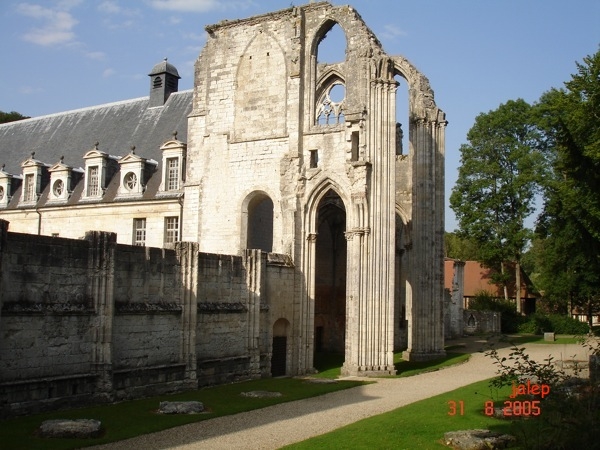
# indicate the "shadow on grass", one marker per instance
pixel 133 418
pixel 329 364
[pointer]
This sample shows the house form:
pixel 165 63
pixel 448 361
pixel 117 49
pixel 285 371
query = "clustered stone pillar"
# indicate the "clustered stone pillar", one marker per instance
pixel 187 255
pixel 370 332
pixel 255 265
pixel 425 310
pixel 101 261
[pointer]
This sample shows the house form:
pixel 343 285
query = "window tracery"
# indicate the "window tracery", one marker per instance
pixel 330 107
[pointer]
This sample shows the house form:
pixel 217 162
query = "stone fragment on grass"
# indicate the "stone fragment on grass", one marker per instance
pixel 477 440
pixel 261 394
pixel 68 428
pixel 191 407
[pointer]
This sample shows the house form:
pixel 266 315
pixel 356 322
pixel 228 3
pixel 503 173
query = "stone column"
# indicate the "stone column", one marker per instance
pixel 101 265
pixel 370 350
pixel 187 255
pixel 425 330
pixel 255 264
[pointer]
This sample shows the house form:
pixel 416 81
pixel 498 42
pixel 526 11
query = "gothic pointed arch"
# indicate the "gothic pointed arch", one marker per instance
pixel 260 102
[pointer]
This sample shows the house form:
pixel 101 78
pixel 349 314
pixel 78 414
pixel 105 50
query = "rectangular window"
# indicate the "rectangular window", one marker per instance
pixel 314 158
pixel 93 182
pixel 29 188
pixel 172 181
pixel 171 230
pixel 139 232
pixel 355 141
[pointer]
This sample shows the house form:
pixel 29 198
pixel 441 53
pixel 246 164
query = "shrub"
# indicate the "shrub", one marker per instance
pixel 539 323
pixel 510 319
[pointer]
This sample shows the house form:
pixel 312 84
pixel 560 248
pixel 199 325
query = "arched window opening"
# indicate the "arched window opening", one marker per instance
pixel 402 125
pixel 260 223
pixel 330 107
pixel 332 46
pixel 330 275
pixel 279 351
pixel 157 82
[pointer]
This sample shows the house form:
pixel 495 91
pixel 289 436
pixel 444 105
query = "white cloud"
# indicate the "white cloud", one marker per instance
pixel 392 32
pixel 199 5
pixel 185 5
pixel 109 7
pixel 113 7
pixel 29 90
pixel 57 24
pixel 99 56
pixel 108 73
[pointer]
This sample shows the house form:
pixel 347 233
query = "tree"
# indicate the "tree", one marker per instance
pixel 11 116
pixel 458 247
pixel 497 182
pixel 570 223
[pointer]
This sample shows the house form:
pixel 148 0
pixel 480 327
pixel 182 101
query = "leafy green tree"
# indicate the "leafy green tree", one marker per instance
pixel 570 223
pixel 497 182
pixel 11 116
pixel 458 247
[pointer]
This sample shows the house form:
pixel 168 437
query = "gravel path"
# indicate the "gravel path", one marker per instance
pixel 286 423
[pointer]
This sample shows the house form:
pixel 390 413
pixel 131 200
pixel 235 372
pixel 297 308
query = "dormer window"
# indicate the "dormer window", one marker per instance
pixel 135 171
pixel 34 172
pixel 62 179
pixel 8 184
pixel 99 169
pixel 174 153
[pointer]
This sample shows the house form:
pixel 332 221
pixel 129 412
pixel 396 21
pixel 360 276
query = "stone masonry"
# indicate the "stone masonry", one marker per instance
pixel 293 220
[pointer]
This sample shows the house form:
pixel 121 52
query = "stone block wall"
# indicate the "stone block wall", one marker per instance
pixel 90 320
pixel 477 322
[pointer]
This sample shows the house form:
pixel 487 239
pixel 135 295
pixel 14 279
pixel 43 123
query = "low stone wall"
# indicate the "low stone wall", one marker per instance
pixel 85 321
pixel 477 322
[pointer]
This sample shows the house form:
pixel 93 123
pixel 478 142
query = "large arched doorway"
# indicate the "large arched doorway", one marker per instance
pixel 330 275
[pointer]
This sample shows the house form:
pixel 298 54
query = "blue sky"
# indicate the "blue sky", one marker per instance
pixel 67 54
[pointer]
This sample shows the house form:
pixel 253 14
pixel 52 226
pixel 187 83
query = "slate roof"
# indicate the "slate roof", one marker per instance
pixel 116 126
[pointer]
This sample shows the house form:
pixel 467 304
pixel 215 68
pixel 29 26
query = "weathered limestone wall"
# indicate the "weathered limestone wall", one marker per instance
pixel 73 221
pixel 476 322
pixel 92 320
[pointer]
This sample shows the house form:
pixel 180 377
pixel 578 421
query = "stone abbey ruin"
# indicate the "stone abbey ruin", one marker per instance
pixel 284 218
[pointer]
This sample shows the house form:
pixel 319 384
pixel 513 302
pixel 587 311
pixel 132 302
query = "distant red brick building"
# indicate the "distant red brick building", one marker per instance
pixel 478 278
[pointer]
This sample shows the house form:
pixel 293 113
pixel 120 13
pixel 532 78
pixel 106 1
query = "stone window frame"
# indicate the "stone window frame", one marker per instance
pixel 9 184
pixel 33 170
pixel 171 150
pixel 133 170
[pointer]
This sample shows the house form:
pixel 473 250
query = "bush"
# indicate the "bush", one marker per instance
pixel 539 323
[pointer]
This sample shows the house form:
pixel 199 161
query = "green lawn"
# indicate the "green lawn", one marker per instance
pixel 537 339
pixel 329 364
pixel 133 418
pixel 419 425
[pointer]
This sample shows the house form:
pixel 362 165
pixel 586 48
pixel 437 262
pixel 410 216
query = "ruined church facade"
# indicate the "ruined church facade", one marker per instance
pixel 299 221
pixel 361 219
